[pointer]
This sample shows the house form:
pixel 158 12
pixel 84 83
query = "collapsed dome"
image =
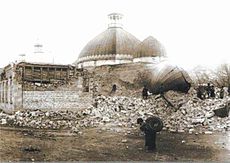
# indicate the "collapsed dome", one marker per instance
pixel 165 76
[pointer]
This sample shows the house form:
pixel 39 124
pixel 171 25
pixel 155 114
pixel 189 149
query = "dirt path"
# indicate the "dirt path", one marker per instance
pixel 17 144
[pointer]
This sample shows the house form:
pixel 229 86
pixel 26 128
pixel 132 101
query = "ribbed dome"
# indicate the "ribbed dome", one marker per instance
pixel 150 47
pixel 106 45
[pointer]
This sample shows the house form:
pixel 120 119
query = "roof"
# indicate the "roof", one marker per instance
pixel 150 47
pixel 43 64
pixel 112 41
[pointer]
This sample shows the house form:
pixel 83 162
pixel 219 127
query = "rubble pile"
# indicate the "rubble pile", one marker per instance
pixel 119 113
pixel 189 115
pixel 43 120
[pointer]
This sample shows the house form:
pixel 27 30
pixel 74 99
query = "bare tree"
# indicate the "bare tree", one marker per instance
pixel 201 75
pixel 219 77
pixel 223 75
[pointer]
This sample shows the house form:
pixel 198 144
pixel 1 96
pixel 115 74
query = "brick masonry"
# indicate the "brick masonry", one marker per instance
pixel 55 100
pixel 53 87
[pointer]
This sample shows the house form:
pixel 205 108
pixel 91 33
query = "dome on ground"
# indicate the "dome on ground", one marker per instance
pixel 106 45
pixel 150 47
pixel 165 76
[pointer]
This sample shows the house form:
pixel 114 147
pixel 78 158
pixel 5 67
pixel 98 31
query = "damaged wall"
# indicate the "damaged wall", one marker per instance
pixel 43 86
pixel 130 78
pixel 47 86
pixel 10 90
pixel 123 76
pixel 55 100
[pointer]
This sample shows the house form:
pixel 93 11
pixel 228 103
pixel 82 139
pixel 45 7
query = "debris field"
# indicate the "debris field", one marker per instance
pixel 119 114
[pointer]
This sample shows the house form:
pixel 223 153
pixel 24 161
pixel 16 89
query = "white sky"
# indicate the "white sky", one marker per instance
pixel 192 31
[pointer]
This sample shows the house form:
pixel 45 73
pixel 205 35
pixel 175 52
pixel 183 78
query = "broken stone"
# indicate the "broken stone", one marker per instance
pixel 31 149
pixel 209 115
pixel 122 112
pixel 47 114
pixel 181 131
pixel 172 130
pixel 3 121
pixel 75 130
pixel 208 132
pixel 124 141
pixel 105 119
pixel 183 112
pixel 198 121
pixel 191 130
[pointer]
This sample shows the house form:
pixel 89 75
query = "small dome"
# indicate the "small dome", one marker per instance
pixel 106 45
pixel 150 47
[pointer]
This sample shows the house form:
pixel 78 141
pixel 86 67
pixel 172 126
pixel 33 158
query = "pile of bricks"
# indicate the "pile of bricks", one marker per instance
pixel 119 113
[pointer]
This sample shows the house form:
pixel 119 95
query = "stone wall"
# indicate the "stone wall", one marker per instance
pixel 10 93
pixel 130 78
pixel 123 76
pixel 10 89
pixel 23 87
pixel 56 100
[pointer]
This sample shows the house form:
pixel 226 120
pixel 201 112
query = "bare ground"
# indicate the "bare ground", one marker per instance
pixel 20 144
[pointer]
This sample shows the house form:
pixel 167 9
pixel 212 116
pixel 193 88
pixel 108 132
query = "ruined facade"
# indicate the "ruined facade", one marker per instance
pixel 113 59
pixel 42 86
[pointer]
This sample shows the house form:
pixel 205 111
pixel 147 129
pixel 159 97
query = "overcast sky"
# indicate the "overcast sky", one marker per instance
pixel 192 31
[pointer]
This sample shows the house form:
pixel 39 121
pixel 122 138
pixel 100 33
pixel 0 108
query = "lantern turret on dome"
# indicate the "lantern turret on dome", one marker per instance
pixel 115 20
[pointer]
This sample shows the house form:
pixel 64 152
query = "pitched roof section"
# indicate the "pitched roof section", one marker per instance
pixel 150 47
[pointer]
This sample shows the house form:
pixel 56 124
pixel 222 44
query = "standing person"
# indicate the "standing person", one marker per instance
pixel 161 89
pixel 229 90
pixel 213 91
pixel 114 88
pixel 222 92
pixel 145 92
pixel 199 93
pixel 150 127
pixel 150 135
pixel 208 89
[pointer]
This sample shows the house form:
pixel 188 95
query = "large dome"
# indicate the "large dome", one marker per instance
pixel 150 47
pixel 108 44
pixel 117 46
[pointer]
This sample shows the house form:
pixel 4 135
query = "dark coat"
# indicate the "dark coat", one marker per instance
pixel 150 136
pixel 145 92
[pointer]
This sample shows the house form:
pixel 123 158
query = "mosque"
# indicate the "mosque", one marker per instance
pixel 113 58
pixel 117 46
